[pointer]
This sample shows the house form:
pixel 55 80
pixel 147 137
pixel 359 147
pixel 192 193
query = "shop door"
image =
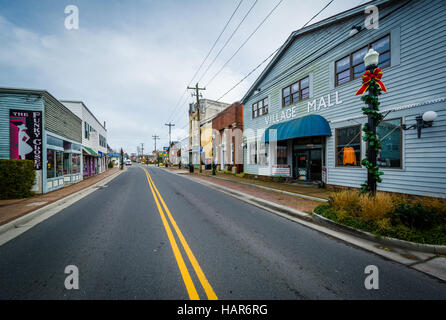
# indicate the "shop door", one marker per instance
pixel 316 165
pixel 302 162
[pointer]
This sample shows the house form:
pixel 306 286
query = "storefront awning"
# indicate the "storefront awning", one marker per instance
pixel 89 151
pixel 308 126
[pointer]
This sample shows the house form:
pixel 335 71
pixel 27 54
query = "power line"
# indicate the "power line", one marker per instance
pixel 243 44
pixel 227 41
pixel 252 71
pixel 213 46
pixel 205 58
pixel 284 72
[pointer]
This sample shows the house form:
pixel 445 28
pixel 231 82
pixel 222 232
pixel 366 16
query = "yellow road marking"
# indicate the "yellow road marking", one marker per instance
pixel 190 287
pixel 199 272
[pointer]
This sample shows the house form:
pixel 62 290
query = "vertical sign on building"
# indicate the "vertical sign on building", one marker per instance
pixel 25 137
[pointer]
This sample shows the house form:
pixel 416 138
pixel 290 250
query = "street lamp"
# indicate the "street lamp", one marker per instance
pixel 424 121
pixel 371 60
pixel 371 63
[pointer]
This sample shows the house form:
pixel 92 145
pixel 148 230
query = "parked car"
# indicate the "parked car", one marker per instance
pixel 128 162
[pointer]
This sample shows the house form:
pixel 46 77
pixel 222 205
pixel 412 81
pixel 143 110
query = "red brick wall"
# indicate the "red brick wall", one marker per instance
pixel 233 114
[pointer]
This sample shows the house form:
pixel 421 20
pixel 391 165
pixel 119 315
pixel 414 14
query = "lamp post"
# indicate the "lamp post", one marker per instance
pixel 371 63
pixel 371 82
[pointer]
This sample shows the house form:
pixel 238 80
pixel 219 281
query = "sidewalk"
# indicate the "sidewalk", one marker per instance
pixel 13 209
pixel 273 193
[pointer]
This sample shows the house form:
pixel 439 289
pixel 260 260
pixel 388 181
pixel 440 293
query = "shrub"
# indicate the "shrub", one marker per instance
pixel 383 224
pixel 16 178
pixel 435 204
pixel 377 207
pixel 415 216
pixel 110 165
pixel 347 200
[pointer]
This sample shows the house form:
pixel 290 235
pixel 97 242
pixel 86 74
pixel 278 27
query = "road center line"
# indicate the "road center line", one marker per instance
pixel 190 287
pixel 199 272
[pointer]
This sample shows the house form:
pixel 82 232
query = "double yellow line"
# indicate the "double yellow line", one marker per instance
pixel 190 287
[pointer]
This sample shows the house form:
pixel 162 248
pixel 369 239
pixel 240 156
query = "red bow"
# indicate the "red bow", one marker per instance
pixel 367 77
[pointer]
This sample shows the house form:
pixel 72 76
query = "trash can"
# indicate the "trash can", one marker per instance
pixel 191 168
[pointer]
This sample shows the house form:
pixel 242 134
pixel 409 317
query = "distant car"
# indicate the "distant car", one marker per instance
pixel 128 162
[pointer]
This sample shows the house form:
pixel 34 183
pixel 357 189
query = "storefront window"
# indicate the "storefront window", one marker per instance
pixel 282 153
pixel 59 163
pixel 85 166
pixel 76 147
pixel 390 135
pixel 50 168
pixel 75 163
pixel 53 141
pixel 348 146
pixel 263 153
pixel 67 145
pixel 253 152
pixel 66 163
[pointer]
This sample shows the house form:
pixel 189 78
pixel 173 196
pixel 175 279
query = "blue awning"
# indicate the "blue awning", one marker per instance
pixel 308 126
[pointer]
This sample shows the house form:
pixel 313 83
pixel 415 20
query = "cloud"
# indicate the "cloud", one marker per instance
pixel 130 63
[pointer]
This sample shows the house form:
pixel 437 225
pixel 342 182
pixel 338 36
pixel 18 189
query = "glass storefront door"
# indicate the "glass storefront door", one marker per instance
pixel 308 165
pixel 316 164
pixel 302 165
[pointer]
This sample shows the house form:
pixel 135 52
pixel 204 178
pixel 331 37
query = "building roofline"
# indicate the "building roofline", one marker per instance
pixel 312 27
pixel 41 92
pixel 81 102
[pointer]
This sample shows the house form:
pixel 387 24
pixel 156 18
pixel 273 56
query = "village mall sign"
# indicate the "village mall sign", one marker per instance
pixel 324 102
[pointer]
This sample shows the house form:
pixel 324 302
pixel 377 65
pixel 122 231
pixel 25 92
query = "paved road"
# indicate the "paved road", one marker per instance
pixel 126 246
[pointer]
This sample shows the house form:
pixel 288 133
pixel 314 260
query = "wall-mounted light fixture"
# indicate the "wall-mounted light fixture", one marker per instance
pixel 424 121
pixel 354 30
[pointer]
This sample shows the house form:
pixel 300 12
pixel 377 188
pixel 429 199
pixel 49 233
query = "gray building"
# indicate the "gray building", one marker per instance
pixel 36 126
pixel 307 94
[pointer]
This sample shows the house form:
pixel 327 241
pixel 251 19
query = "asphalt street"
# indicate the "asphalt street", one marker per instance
pixel 158 235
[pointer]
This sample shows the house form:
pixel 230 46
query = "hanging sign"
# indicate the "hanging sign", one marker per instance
pixel 25 138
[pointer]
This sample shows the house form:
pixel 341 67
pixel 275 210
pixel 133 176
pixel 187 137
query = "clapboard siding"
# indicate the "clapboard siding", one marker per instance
pixel 62 121
pixel 32 102
pixel 416 74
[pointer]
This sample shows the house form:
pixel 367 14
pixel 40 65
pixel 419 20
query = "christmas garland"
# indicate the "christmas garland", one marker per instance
pixel 372 83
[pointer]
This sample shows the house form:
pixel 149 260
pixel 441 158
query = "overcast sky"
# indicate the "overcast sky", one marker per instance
pixel 130 61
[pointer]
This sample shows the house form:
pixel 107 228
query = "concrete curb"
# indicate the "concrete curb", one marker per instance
pixel 269 189
pixel 36 213
pixel 428 248
pixel 315 218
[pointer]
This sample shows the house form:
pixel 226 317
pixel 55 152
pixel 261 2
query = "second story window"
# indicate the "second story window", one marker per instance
pixel 296 92
pixel 260 108
pixel 352 66
pixel 86 130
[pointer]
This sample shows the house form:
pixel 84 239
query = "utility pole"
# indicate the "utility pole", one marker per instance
pixel 197 95
pixel 142 151
pixel 170 125
pixel 155 137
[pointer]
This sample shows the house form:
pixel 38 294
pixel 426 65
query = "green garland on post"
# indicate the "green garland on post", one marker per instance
pixel 372 110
